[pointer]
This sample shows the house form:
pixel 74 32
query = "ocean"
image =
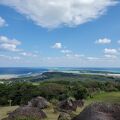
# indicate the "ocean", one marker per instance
pixel 88 70
pixel 21 70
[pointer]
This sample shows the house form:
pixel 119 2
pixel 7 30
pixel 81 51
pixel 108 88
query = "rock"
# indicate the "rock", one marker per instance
pixel 38 102
pixel 68 105
pixel 100 111
pixel 64 116
pixel 26 113
pixel 79 103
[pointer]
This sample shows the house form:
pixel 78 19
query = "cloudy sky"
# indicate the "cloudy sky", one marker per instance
pixel 71 33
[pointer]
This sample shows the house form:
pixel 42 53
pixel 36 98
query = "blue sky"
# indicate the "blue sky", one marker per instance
pixel 81 33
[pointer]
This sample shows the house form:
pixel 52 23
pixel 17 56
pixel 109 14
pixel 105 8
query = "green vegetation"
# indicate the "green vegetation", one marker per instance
pixel 20 93
pixel 113 97
pixel 56 87
pixel 108 97
pixel 60 76
pixel 5 110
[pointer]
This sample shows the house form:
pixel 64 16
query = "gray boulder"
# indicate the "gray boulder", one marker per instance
pixel 38 102
pixel 64 116
pixel 26 113
pixel 100 111
pixel 79 103
pixel 67 105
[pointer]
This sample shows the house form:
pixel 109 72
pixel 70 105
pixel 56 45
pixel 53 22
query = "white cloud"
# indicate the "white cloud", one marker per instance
pixel 110 56
pixel 7 44
pixel 10 57
pixel 16 58
pixel 2 22
pixel 11 45
pixel 103 41
pixel 75 56
pixel 24 54
pixel 94 58
pixel 5 56
pixel 71 54
pixel 106 58
pixel 53 13
pixel 66 51
pixel 110 51
pixel 28 54
pixel 57 45
pixel 78 55
pixel 85 61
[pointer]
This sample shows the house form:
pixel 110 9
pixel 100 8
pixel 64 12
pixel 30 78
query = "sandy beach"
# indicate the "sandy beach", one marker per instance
pixel 114 75
pixel 6 77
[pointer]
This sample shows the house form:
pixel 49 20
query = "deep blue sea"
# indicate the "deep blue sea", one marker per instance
pixel 25 70
pixel 21 70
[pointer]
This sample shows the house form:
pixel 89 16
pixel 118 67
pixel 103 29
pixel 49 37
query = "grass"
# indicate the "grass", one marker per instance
pixel 5 110
pixel 50 114
pixel 111 97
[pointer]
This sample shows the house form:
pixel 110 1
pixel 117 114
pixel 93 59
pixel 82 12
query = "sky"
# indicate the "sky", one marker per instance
pixel 59 33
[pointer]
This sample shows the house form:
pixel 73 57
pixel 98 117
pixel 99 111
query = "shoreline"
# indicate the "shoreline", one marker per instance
pixel 114 75
pixel 10 76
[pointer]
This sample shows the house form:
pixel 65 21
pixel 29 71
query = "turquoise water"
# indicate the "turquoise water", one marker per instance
pixel 90 70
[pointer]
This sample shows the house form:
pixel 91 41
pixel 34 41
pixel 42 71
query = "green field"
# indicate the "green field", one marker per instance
pixel 5 110
pixel 111 97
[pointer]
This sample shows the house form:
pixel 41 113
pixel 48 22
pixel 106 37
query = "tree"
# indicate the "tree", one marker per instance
pixel 79 92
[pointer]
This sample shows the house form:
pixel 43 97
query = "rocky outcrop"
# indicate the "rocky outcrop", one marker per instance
pixel 67 105
pixel 70 105
pixel 38 102
pixel 26 113
pixel 79 103
pixel 64 116
pixel 31 111
pixel 100 111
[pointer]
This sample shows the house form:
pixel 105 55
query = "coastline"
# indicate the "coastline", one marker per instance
pixel 8 76
pixel 114 75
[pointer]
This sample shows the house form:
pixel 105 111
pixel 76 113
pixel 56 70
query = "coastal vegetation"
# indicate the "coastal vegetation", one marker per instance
pixel 56 87
pixel 21 92
pixel 106 97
